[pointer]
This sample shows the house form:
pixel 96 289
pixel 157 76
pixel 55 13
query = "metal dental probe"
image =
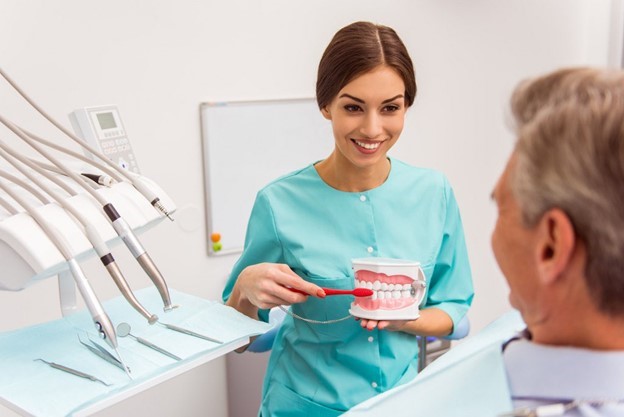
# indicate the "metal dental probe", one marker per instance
pixel 188 332
pixel 123 330
pixel 73 371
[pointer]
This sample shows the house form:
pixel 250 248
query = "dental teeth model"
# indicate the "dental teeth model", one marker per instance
pixel 398 288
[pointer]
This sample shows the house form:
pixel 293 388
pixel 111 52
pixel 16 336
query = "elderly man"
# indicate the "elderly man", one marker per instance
pixel 559 241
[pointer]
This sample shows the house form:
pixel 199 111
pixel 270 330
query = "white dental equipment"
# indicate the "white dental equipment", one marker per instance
pixel 119 224
pixel 102 322
pixel 103 129
pixel 398 288
pixel 90 232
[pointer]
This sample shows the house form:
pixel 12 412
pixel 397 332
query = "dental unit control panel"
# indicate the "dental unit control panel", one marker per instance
pixel 102 127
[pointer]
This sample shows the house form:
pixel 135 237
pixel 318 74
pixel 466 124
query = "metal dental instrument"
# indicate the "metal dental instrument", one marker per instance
pixel 73 371
pixel 123 330
pixel 119 224
pixel 102 353
pixel 101 248
pixel 189 332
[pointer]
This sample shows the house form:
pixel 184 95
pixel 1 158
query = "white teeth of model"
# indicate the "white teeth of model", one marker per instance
pixel 396 294
pixel 407 287
pixel 369 285
pixel 376 285
pixel 384 286
pixel 374 296
pixel 381 295
pixel 390 287
pixel 388 294
pixel 406 294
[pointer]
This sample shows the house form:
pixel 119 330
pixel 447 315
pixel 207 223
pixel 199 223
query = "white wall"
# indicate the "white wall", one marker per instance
pixel 158 59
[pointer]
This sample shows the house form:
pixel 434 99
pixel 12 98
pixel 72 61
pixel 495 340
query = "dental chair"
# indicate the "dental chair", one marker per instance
pixel 264 342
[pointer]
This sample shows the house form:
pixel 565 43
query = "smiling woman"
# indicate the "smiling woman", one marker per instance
pixel 367 118
pixel 307 226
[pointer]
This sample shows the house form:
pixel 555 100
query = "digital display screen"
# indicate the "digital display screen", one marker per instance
pixel 106 120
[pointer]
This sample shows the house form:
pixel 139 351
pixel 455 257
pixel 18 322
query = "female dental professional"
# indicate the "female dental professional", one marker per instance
pixel 305 228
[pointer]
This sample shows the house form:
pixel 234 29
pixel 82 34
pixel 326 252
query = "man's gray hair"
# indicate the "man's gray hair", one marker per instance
pixel 570 150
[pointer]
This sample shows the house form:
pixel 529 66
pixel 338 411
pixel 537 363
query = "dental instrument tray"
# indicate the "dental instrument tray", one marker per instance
pixel 65 385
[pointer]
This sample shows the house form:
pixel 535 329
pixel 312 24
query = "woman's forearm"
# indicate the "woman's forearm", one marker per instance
pixel 432 322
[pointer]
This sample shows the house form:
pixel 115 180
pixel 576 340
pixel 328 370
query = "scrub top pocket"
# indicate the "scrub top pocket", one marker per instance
pixel 330 308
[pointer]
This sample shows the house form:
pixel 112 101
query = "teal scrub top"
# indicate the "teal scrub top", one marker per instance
pixel 299 220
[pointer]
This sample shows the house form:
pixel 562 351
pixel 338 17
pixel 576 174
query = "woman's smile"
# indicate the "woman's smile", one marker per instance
pixel 367 146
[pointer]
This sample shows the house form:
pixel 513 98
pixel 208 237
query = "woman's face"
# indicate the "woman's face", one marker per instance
pixel 367 117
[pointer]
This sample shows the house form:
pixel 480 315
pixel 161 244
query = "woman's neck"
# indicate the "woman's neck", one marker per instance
pixel 344 176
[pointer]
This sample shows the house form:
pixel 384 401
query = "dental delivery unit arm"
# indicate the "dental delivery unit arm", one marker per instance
pixel 118 222
pixel 90 232
pixel 42 237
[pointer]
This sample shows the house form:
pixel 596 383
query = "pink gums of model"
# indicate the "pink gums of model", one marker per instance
pixel 398 289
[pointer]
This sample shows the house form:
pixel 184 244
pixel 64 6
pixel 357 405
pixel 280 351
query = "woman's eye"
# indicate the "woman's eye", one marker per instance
pixel 351 108
pixel 391 108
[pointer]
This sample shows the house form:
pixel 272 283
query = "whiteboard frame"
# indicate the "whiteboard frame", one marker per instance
pixel 206 160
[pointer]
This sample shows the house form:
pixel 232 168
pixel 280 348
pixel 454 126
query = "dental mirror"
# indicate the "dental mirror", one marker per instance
pixel 123 330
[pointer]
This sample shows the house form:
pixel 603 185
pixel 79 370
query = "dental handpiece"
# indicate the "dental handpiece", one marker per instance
pixel 114 271
pixel 123 229
pixel 102 322
pixel 94 237
pixel 119 224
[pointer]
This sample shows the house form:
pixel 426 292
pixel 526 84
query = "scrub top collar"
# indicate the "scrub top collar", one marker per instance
pixel 381 187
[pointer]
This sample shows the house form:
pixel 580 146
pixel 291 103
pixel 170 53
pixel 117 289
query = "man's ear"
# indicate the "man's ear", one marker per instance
pixel 555 245
pixel 326 114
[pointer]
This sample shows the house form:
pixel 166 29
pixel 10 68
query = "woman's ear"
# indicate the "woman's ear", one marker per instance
pixel 555 245
pixel 326 114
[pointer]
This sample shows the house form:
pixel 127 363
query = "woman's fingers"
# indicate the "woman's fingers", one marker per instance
pixel 294 283
pixel 268 285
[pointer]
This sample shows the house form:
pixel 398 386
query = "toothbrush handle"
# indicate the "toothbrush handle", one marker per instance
pixel 358 292
pixel 332 291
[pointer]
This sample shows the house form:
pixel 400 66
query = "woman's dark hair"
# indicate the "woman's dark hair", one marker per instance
pixel 357 49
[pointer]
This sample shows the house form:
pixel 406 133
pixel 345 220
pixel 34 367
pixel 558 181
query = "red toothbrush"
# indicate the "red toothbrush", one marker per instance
pixel 358 292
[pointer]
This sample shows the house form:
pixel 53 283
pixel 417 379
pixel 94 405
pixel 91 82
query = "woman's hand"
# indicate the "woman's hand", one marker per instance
pixel 392 325
pixel 432 322
pixel 265 285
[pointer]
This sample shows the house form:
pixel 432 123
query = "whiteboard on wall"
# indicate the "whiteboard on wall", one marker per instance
pixel 246 145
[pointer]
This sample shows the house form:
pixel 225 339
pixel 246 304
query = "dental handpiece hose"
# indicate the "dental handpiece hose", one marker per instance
pixel 135 179
pixel 91 233
pixel 119 224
